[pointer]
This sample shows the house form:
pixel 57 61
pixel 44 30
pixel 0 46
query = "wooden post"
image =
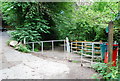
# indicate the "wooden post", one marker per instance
pixel 110 41
pixel 110 44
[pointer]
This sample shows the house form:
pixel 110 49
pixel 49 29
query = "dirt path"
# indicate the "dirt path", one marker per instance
pixel 17 65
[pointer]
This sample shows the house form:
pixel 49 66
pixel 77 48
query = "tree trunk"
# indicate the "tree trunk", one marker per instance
pixel 110 44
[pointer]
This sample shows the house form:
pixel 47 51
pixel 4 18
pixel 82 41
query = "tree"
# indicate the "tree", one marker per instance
pixel 59 20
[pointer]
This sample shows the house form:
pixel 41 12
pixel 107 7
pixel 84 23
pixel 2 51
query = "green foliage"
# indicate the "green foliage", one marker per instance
pixel 8 41
pixel 117 19
pixel 44 21
pixel 37 47
pixel 23 48
pixel 101 68
pixel 85 22
pixel 117 25
pixel 117 35
pixel 36 50
pixel 74 61
pixel 27 18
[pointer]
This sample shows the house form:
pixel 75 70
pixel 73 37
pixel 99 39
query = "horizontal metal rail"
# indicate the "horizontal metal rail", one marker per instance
pixel 42 44
pixel 46 41
pixel 87 42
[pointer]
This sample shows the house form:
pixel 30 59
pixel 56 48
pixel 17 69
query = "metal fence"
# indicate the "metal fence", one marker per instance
pixel 83 48
pixel 42 44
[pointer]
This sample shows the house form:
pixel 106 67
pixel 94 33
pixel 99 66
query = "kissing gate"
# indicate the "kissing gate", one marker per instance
pixel 88 51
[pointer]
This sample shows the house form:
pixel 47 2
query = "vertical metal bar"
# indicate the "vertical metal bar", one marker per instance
pixel 81 53
pixel 42 47
pixel 71 47
pixel 92 53
pixel 85 44
pixel 33 46
pixel 52 46
pixel 64 45
pixel 76 45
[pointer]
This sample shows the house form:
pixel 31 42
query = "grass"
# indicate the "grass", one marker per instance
pixel 74 61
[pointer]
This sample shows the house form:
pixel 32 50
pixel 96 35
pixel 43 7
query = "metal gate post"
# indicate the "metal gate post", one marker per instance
pixel 42 47
pixel 82 53
pixel 92 53
pixel 76 46
pixel 33 46
pixel 52 46
pixel 64 45
pixel 71 47
pixel 67 44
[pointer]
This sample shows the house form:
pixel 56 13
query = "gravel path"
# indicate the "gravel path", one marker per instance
pixel 17 65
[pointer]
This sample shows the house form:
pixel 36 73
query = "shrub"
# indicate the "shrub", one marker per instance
pixel 8 42
pixel 101 68
pixel 36 50
pixel 23 48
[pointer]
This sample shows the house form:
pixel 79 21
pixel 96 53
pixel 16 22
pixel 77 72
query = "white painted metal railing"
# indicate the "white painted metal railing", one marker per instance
pixel 42 44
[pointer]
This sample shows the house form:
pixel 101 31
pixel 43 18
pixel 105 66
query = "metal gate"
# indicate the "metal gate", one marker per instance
pixel 85 49
pixel 88 51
